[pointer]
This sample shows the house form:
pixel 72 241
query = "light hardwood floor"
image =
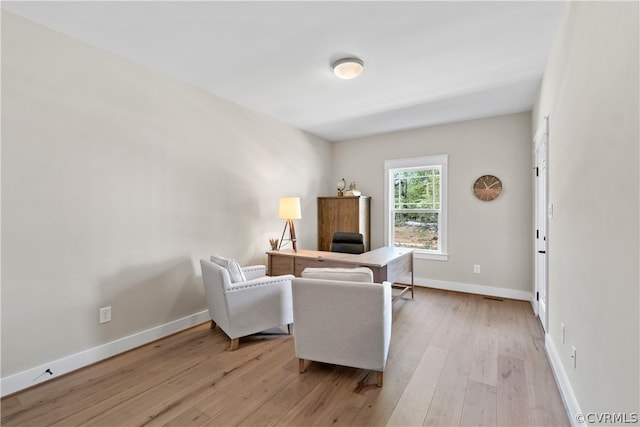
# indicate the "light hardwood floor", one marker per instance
pixel 455 359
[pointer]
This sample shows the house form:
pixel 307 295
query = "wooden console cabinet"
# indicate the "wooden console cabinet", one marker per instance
pixel 349 214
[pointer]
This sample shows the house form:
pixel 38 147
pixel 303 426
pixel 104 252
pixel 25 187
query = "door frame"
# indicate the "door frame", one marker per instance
pixel 541 223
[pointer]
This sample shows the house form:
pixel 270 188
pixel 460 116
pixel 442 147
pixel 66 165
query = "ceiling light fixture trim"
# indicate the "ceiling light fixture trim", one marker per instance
pixel 348 68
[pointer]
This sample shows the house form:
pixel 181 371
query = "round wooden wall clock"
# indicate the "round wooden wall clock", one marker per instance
pixel 487 187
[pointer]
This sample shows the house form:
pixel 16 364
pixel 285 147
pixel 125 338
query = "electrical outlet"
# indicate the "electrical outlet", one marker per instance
pixel 562 332
pixel 105 314
pixel 574 356
pixel 476 268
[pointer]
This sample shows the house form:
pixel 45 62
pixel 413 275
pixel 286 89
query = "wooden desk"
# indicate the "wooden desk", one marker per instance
pixel 388 264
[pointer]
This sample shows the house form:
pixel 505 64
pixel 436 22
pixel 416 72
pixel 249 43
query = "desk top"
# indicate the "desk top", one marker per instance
pixel 377 257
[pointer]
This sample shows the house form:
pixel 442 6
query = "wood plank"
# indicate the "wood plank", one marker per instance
pixel 513 393
pixel 484 364
pixel 12 405
pixel 407 317
pixel 510 341
pixel 381 403
pixel 190 417
pixel 273 410
pixel 452 321
pixel 480 405
pixel 420 320
pixel 414 403
pixel 546 402
pixel 198 391
pixel 249 390
pixel 332 401
pixel 448 399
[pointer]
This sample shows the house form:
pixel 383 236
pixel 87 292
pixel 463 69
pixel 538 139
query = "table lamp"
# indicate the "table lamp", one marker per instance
pixel 289 210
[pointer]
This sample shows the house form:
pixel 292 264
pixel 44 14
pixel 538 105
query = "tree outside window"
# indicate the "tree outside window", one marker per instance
pixel 416 203
pixel 416 208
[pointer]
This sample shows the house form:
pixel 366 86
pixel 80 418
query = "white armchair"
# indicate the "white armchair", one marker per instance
pixel 342 322
pixel 249 306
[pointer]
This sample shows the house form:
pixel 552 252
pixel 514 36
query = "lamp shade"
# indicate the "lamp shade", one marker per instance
pixel 289 208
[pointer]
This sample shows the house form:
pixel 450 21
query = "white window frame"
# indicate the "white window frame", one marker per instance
pixel 390 166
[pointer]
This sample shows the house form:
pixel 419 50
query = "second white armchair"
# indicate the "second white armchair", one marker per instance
pixel 342 321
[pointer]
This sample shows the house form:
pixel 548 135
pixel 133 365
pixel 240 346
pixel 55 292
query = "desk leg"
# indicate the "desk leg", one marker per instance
pixel 412 284
pixel 405 287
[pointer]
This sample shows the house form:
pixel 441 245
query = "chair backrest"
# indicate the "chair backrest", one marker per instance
pixel 350 243
pixel 357 274
pixel 216 280
pixel 340 322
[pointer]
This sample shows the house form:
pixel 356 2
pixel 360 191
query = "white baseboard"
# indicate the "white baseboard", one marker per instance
pixel 566 391
pixel 39 374
pixel 475 289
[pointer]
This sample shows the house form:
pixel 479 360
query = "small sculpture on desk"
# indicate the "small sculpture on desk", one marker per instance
pixel 274 244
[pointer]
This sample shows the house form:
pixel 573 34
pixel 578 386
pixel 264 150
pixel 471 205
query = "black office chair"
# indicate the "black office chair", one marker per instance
pixel 350 243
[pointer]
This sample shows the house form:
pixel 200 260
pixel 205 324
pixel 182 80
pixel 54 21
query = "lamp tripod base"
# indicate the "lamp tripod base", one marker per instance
pixel 292 235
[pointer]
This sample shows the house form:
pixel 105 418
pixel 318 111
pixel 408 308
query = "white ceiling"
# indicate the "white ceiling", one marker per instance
pixel 426 62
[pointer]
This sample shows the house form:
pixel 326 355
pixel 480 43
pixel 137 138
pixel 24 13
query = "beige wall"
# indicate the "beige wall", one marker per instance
pixel 496 235
pixel 590 92
pixel 116 180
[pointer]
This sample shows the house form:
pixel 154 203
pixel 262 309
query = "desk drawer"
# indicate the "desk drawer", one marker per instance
pixel 279 265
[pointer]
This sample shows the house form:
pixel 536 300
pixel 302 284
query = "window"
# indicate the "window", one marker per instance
pixel 416 205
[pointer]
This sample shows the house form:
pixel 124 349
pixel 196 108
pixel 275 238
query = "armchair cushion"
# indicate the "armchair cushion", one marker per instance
pixel 358 274
pixel 235 272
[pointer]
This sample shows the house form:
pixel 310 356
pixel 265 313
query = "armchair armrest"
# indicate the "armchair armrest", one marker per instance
pixel 261 281
pixel 254 271
pixel 260 304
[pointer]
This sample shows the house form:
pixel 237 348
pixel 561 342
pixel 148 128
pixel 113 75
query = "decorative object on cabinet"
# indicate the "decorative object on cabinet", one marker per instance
pixel 353 191
pixel 341 186
pixel 347 214
pixel 289 210
pixel 487 187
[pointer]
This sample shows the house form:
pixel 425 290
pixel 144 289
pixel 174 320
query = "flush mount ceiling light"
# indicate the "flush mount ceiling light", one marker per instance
pixel 348 68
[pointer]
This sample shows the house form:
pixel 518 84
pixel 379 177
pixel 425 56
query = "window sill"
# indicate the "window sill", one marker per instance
pixel 434 256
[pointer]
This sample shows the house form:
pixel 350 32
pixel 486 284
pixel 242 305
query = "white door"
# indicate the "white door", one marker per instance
pixel 541 221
